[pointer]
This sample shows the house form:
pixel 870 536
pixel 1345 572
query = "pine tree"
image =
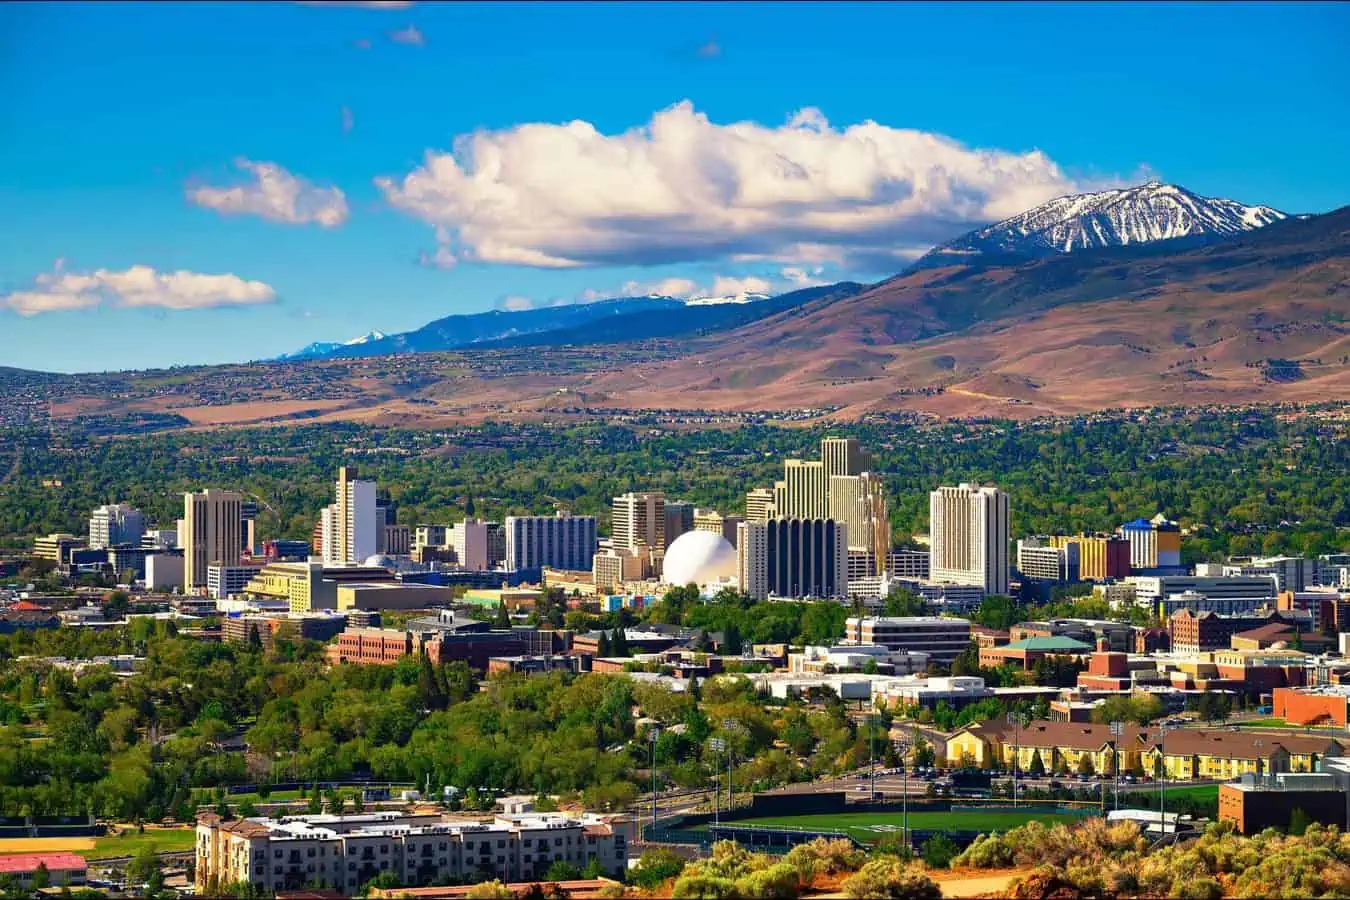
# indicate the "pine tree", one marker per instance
pixel 731 641
pixel 603 649
pixel 620 646
pixel 254 640
pixel 503 619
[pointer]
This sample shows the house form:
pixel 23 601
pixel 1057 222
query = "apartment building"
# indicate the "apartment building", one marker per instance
pixel 638 520
pixel 559 541
pixel 342 853
pixel 942 639
pixel 1150 590
pixel 223 582
pixel 1038 560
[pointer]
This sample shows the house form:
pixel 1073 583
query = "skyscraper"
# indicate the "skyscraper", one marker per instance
pixel 679 519
pixel 639 520
pixel 859 502
pixel 210 534
pixel 804 490
pixel 116 523
pixel 759 505
pixel 792 558
pixel 844 456
pixel 969 534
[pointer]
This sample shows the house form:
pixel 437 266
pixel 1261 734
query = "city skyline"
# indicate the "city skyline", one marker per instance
pixel 301 172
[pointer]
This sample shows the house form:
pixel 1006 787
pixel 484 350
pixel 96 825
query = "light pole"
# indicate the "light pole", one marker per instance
pixel 652 735
pixel 718 745
pixel 871 758
pixel 1117 728
pixel 1162 777
pixel 901 747
pixel 734 728
pixel 1016 719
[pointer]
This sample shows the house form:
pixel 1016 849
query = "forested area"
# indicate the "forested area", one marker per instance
pixel 1260 484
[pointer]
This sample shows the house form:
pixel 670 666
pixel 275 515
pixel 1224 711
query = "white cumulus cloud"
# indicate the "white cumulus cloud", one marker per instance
pixel 684 189
pixel 276 195
pixel 138 286
pixel 514 303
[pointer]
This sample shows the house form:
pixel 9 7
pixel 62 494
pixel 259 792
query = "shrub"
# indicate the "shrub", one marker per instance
pixel 888 878
pixel 727 861
pixel 656 867
pixel 825 857
pixel 777 882
pixel 704 887
pixel 490 890
pixel 939 851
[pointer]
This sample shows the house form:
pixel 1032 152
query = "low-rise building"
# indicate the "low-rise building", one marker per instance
pixel 1024 654
pixel 63 869
pixel 226 581
pixel 342 853
pixel 1258 802
pixel 943 639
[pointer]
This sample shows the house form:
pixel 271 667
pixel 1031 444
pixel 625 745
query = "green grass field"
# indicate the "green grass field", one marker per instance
pixel 163 840
pixel 860 825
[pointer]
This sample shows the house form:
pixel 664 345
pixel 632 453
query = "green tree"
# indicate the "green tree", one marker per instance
pixel 603 647
pixel 42 878
pixel 502 620
pixel 1299 822
pixel 939 851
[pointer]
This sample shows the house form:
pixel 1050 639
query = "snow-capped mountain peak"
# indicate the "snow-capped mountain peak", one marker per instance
pixel 365 338
pixel 1112 218
pixel 744 297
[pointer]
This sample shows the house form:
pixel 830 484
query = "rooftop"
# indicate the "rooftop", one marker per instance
pixel 27 862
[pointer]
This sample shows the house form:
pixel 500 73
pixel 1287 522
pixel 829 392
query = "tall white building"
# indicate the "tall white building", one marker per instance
pixel 558 541
pixel 470 540
pixel 210 534
pixel 968 527
pixel 639 520
pixel 349 525
pixel 116 523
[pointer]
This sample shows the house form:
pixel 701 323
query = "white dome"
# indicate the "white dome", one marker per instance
pixel 699 557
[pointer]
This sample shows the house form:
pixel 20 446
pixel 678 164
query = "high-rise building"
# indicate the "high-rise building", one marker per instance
pixel 679 519
pixel 639 520
pixel 559 541
pixel 354 526
pixel 470 540
pixel 1039 560
pixel 759 506
pixel 1154 543
pixel 804 490
pixel 844 456
pixel 968 525
pixel 210 534
pixel 859 501
pixel 431 536
pixel 792 558
pixel 496 544
pixel 395 540
pixel 116 523
pixel 248 525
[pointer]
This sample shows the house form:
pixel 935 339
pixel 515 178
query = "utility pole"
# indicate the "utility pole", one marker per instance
pixel 734 728
pixel 901 747
pixel 1016 719
pixel 1162 777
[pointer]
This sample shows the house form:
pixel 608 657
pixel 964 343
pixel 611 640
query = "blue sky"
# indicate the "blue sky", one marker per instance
pixel 141 228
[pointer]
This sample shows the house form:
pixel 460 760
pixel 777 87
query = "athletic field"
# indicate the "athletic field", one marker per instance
pixel 163 840
pixel 871 826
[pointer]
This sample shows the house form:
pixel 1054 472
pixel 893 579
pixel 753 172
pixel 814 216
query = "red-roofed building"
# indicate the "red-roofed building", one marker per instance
pixel 62 868
pixel 25 606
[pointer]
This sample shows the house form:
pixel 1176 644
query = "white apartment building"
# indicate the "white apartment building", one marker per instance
pixel 342 853
pixel 968 527
pixel 559 541
pixel 116 523
pixel 941 638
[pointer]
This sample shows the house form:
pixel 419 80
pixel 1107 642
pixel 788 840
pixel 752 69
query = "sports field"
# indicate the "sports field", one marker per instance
pixel 871 826
pixel 163 840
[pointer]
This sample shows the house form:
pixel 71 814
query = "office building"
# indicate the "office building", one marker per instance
pixel 470 540
pixel 431 536
pixel 160 539
pixel 116 523
pixel 496 544
pixel 711 520
pixel 639 520
pixel 679 519
pixel 968 527
pixel 277 550
pixel 164 570
pixel 794 558
pixel 1099 556
pixel 395 540
pixel 57 547
pixel 223 582
pixel 1037 560
pixel 844 456
pixel 559 541
pixel 248 526
pixel 943 639
pixel 210 534
pixel 759 506
pixel 610 568
pixel 1154 543
pixel 859 502
pixel 342 853
pixel 1149 589
pixel 914 564
pixel 126 558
